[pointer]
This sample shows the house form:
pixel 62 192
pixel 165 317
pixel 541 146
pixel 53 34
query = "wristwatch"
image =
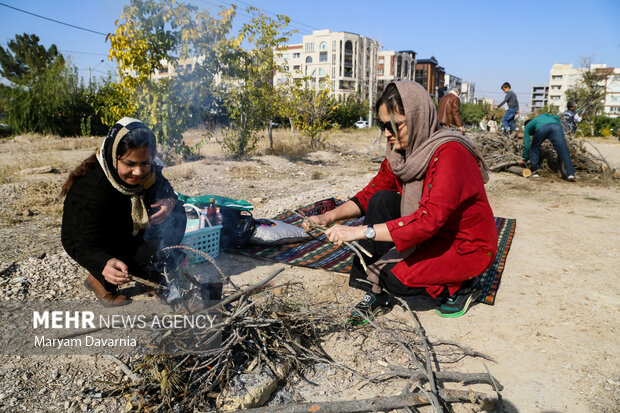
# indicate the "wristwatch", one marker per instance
pixel 370 232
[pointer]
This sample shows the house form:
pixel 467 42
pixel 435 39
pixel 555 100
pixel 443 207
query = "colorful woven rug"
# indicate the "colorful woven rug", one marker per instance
pixel 318 253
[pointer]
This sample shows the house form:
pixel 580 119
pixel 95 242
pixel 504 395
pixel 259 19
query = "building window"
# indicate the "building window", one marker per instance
pixel 556 77
pixel 381 60
pixel 323 57
pixel 333 45
pixel 296 55
pixel 333 72
pixel 309 59
pixel 296 67
pixel 309 47
pixel 322 73
pixel 555 87
pixel 164 70
pixel 323 46
pixel 380 71
pixel 555 98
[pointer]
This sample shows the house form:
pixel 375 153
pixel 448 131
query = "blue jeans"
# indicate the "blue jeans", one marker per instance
pixel 553 132
pixel 508 119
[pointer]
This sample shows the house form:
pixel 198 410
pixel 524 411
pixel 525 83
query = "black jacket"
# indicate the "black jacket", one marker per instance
pixel 97 225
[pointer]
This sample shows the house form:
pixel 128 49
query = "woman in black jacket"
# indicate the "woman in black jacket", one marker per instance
pixel 119 212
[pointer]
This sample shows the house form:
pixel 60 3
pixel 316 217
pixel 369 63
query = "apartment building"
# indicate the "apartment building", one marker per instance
pixel 540 97
pixel 182 66
pixel 611 104
pixel 393 66
pixel 452 82
pixel 564 76
pixel 429 74
pixel 349 60
pixel 468 92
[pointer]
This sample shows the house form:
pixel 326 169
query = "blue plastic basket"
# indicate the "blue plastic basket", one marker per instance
pixel 201 238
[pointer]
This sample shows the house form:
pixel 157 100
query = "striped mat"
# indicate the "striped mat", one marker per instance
pixel 318 253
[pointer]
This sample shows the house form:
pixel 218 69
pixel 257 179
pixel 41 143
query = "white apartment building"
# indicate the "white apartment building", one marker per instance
pixel 612 94
pixel 452 82
pixel 540 97
pixel 393 66
pixel 348 59
pixel 468 91
pixel 182 66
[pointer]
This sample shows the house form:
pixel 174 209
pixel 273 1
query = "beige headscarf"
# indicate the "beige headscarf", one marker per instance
pixel 410 166
pixel 106 155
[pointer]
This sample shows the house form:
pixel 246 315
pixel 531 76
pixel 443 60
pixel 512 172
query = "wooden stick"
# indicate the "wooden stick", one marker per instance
pixel 252 287
pixel 133 376
pixel 348 244
pixel 324 228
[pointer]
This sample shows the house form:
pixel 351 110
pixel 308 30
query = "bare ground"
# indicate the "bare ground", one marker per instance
pixel 553 330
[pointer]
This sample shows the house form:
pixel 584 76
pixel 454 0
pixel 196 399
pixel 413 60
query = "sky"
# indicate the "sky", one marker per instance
pixel 485 42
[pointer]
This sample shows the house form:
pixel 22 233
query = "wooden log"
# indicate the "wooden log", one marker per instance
pixel 525 172
pixel 378 403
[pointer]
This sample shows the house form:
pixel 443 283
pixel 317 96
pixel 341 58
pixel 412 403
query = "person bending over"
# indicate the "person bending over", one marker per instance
pixel 119 212
pixel 427 219
pixel 543 127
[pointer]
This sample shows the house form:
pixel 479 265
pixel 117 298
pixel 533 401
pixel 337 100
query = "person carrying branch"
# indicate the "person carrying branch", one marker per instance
pixel 119 212
pixel 427 219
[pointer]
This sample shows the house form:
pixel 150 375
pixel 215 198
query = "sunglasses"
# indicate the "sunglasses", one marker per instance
pixel 388 125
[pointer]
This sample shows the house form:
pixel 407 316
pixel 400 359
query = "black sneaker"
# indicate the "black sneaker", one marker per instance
pixel 458 304
pixel 370 307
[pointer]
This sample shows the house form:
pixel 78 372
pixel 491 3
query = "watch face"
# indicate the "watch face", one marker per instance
pixel 370 232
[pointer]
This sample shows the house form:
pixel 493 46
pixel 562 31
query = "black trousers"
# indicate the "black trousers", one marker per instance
pixel 383 206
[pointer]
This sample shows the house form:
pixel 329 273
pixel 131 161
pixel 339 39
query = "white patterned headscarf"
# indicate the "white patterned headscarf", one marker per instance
pixel 107 157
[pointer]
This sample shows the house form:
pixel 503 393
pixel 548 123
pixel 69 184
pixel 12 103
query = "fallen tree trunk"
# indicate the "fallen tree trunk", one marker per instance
pixel 380 403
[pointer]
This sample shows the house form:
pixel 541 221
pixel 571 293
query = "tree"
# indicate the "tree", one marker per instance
pixel 589 93
pixel 148 33
pixel 310 109
pixel 25 60
pixel 251 99
pixel 349 112
pixel 45 94
pixel 472 113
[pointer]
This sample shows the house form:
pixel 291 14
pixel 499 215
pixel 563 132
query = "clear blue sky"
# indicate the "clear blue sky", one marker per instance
pixel 486 42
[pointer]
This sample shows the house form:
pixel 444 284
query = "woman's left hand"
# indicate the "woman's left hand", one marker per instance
pixel 165 206
pixel 342 233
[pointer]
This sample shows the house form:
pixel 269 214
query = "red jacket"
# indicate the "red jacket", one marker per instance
pixel 453 228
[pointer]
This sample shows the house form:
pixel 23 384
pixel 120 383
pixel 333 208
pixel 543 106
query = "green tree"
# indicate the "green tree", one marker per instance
pixel 310 109
pixel 472 113
pixel 148 33
pixel 349 112
pixel 45 93
pixel 251 99
pixel 25 60
pixel 589 93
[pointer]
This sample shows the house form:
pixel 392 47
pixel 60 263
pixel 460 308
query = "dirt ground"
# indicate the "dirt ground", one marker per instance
pixel 553 330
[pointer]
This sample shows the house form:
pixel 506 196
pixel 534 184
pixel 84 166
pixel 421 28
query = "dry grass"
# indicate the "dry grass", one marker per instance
pixel 284 143
pixel 42 199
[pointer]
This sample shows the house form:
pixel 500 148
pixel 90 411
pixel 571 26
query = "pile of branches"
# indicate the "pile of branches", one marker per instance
pixel 266 326
pixel 256 332
pixel 501 152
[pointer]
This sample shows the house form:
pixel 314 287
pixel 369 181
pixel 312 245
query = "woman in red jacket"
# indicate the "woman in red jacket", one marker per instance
pixel 428 222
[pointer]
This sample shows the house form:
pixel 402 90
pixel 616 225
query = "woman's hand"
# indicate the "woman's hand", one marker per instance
pixel 342 233
pixel 116 272
pixel 323 219
pixel 166 206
